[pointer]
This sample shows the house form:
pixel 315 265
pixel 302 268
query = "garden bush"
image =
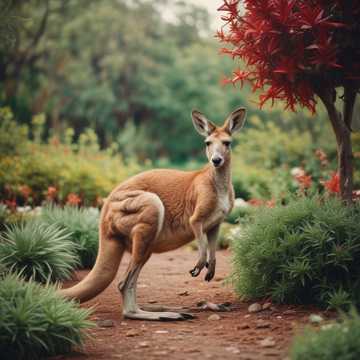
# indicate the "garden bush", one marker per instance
pixel 36 322
pixel 43 253
pixel 330 342
pixel 82 223
pixel 30 168
pixel 305 252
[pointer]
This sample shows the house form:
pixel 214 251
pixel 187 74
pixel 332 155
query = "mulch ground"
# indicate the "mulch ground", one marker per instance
pixel 165 280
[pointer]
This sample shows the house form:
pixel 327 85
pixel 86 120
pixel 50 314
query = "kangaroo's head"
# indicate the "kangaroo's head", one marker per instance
pixel 218 139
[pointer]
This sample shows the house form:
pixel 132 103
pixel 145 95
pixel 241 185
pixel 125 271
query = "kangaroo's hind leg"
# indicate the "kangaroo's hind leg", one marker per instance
pixel 147 211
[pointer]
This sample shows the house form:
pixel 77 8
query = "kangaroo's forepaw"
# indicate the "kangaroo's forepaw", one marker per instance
pixel 197 269
pixel 211 265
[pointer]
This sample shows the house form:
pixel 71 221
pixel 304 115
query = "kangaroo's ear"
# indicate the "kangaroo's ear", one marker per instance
pixel 202 125
pixel 235 121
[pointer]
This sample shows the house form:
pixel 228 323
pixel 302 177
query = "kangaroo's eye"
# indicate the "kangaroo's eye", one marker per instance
pixel 227 143
pixel 208 143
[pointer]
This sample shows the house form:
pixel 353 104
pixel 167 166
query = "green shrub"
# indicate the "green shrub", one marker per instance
pixel 305 252
pixel 239 214
pixel 332 342
pixel 82 223
pixel 35 322
pixel 13 137
pixel 43 253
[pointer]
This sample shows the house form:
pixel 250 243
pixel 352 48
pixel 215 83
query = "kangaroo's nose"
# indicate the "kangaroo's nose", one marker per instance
pixel 216 161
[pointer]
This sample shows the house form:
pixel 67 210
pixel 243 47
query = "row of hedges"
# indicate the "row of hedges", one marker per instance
pixel 60 171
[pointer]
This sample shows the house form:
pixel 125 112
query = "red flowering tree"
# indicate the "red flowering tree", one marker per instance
pixel 300 51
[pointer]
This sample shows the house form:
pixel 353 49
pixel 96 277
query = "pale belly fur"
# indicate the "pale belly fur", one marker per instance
pixel 171 239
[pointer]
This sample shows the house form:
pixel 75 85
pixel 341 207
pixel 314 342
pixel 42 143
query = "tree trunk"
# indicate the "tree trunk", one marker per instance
pixel 343 138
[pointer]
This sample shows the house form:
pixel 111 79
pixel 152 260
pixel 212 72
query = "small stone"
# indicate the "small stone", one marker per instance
pixel 267 342
pixel 266 306
pixel 152 301
pixel 161 332
pixel 105 323
pixel 262 324
pixel 183 293
pixel 315 318
pixel 131 333
pixel 214 317
pixel 144 344
pixel 247 316
pixel 253 308
pixel 279 317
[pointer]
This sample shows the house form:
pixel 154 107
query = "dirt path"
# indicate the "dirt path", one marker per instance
pixel 166 280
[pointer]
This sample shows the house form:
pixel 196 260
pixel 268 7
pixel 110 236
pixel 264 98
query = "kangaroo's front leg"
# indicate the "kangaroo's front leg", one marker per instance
pixel 202 246
pixel 212 236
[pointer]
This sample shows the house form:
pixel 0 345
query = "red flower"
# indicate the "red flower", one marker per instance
pixel 73 199
pixel 304 181
pixel 259 202
pixel 333 185
pixel 51 193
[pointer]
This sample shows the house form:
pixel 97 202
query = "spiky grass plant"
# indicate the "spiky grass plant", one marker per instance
pixel 83 225
pixel 331 342
pixel 42 252
pixel 305 252
pixel 36 322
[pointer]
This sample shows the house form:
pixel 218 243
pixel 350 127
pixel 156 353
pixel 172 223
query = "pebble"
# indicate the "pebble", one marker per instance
pixel 144 344
pixel 266 306
pixel 315 318
pixel 152 301
pixel 161 332
pixel 105 323
pixel 267 342
pixel 131 333
pixel 214 317
pixel 255 307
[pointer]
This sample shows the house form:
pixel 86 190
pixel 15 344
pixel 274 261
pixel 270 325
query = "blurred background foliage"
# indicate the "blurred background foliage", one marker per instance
pixel 99 90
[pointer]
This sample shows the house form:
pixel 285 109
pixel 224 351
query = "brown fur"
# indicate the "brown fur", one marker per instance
pixel 161 210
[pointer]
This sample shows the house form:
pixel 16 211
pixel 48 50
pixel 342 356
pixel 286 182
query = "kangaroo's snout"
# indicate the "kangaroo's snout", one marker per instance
pixel 217 161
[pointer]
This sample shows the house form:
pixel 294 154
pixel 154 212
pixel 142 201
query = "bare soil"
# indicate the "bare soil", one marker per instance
pixel 165 280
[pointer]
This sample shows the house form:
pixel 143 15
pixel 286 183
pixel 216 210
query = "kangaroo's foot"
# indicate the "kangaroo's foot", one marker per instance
pixel 157 316
pixel 160 308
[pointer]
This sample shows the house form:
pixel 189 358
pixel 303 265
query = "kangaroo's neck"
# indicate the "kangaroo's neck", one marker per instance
pixel 222 176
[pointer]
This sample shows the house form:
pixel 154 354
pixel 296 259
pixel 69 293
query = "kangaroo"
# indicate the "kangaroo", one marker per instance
pixel 161 210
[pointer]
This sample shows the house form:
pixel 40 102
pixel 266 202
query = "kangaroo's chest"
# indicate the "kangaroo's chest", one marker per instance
pixel 221 209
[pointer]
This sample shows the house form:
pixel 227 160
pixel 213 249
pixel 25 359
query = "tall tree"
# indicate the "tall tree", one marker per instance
pixel 296 49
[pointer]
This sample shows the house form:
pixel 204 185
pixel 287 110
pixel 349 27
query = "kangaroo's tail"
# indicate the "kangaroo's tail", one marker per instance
pixel 102 274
